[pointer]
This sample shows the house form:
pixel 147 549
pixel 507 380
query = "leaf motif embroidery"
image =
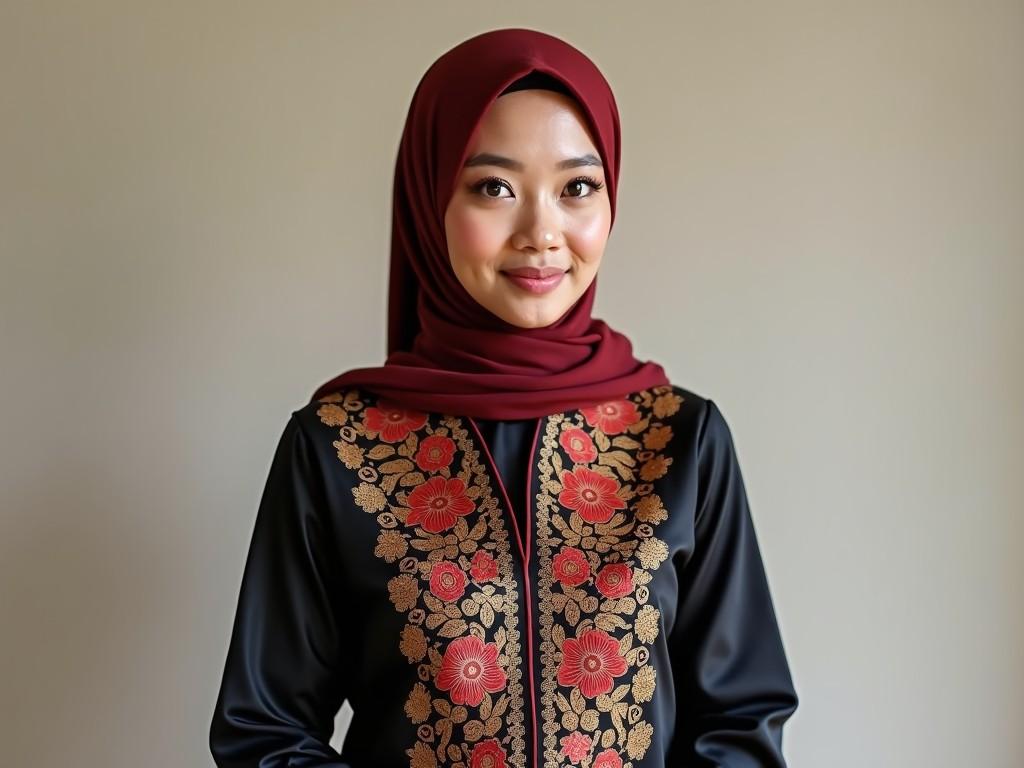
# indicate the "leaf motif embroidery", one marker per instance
pixel 457 584
pixel 596 668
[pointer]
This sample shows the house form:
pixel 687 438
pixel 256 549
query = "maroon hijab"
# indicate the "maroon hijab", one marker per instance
pixel 446 352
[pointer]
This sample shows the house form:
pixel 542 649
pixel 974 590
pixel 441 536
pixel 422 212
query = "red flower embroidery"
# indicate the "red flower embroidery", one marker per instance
pixel 435 452
pixel 591 662
pixel 570 566
pixel 470 667
pixel 612 417
pixel 579 445
pixel 609 758
pixel 615 580
pixel 392 421
pixel 447 581
pixel 437 503
pixel 591 494
pixel 488 754
pixel 575 746
pixel 483 567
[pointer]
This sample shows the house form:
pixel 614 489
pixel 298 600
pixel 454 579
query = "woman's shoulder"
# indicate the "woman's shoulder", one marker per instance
pixel 700 415
pixel 332 411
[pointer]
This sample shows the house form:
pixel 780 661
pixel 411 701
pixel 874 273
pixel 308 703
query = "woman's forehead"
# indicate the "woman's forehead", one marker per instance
pixel 535 122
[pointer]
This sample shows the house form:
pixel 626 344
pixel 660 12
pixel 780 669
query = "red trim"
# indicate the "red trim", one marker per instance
pixel 529 617
pixel 524 551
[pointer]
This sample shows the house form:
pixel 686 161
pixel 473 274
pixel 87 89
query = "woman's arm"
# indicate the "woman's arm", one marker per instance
pixel 282 682
pixel 732 680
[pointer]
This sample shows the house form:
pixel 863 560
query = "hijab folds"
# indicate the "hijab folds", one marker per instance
pixel 447 353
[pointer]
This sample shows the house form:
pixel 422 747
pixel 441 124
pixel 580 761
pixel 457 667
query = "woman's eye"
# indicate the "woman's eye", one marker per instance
pixel 492 188
pixel 581 184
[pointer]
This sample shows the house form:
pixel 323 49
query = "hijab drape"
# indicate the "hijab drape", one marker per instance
pixel 446 352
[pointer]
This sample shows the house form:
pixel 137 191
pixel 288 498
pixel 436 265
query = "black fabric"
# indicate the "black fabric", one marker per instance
pixel 509 442
pixel 316 620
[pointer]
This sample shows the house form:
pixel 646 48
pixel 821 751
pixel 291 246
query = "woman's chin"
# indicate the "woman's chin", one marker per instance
pixel 535 314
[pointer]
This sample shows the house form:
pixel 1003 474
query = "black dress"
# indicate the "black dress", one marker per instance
pixel 619 618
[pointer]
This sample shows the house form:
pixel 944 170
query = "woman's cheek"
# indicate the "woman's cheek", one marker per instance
pixel 475 235
pixel 590 236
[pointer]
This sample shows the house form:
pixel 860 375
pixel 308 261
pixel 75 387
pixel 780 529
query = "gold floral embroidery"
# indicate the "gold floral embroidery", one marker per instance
pixel 596 515
pixel 457 583
pixel 643 684
pixel 667 404
pixel 417 706
pixel 391 546
pixel 414 643
pixel 651 553
pixel 351 455
pixel 370 497
pixel 650 510
pixel 332 415
pixel 596 521
pixel 655 468
pixel 657 438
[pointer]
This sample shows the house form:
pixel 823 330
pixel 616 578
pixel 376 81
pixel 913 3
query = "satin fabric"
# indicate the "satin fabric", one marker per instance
pixel 510 442
pixel 316 624
pixel 446 352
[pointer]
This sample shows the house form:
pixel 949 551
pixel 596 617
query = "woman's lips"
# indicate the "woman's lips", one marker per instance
pixel 536 284
pixel 531 280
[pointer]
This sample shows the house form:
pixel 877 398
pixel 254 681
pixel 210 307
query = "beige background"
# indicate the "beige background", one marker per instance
pixel 820 227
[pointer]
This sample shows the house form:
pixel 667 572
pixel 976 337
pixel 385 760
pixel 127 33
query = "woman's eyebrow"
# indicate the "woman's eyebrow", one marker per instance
pixel 486 158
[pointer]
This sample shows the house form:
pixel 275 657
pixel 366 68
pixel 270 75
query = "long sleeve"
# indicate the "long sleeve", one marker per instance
pixel 733 685
pixel 282 683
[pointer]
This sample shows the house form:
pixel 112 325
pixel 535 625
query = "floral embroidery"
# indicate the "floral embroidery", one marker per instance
pixel 392 422
pixel 643 684
pixel 417 706
pixel 414 643
pixel 591 494
pixel 483 567
pixel 608 758
pixel 591 663
pixel 332 415
pixel 488 754
pixel 447 581
pixel 443 532
pixel 391 546
pixel 370 497
pixel 596 548
pixel 570 567
pixel 438 503
pixel 435 453
pixel 469 669
pixel 655 468
pixel 639 739
pixel 650 510
pixel 613 417
pixel 576 746
pixel 615 580
pixel 404 592
pixel 578 445
pixel 598 472
pixel 422 756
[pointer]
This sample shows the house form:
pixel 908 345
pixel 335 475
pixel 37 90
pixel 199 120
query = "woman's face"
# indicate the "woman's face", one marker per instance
pixel 529 219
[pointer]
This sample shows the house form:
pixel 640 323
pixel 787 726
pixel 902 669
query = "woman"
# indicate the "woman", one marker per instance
pixel 513 543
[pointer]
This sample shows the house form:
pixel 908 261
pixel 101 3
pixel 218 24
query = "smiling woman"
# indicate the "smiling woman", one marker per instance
pixel 513 544
pixel 527 245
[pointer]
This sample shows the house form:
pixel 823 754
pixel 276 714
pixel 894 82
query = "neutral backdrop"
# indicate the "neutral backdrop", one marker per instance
pixel 821 227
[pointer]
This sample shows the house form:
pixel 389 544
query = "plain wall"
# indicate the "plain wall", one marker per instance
pixel 820 226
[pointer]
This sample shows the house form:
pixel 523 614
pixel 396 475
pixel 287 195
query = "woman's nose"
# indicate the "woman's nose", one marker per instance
pixel 538 228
